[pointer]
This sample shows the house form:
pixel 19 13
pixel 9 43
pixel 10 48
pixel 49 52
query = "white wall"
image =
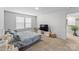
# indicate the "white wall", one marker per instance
pixel 73 10
pixel 9 21
pixel 1 21
pixel 56 21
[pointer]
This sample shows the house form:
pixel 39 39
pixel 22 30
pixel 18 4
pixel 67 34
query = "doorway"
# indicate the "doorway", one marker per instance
pixel 72 25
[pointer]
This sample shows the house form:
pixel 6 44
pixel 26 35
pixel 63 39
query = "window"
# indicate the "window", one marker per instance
pixel 28 23
pixel 19 22
pixel 22 23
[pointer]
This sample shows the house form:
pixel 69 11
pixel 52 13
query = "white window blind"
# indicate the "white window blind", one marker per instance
pixel 28 22
pixel 19 22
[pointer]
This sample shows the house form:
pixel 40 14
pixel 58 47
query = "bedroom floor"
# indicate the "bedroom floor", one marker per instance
pixel 55 44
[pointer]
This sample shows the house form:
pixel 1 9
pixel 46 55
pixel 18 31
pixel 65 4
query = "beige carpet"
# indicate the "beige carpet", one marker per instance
pixel 55 44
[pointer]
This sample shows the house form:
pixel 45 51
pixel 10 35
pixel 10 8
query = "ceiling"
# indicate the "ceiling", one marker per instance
pixel 42 10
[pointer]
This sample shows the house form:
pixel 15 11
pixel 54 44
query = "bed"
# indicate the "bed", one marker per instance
pixel 26 38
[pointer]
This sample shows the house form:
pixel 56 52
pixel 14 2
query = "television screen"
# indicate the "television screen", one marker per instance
pixel 44 27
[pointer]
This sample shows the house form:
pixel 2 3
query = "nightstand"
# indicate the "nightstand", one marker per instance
pixel 50 34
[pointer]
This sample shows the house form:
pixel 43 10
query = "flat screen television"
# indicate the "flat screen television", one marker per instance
pixel 44 27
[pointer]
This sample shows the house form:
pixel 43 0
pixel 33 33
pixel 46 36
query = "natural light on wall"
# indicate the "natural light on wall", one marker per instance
pixel 36 8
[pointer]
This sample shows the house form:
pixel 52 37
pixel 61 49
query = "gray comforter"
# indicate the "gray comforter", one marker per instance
pixel 26 38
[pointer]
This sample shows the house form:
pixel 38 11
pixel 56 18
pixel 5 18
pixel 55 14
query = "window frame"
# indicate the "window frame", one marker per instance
pixel 28 22
pixel 19 22
pixel 24 23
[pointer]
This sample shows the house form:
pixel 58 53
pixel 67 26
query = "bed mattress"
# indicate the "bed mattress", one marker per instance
pixel 28 38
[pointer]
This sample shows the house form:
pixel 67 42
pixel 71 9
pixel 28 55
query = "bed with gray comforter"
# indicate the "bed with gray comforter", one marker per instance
pixel 25 38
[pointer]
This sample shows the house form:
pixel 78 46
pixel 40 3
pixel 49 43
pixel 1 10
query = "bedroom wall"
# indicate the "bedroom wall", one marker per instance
pixel 73 10
pixel 9 20
pixel 56 21
pixel 1 21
